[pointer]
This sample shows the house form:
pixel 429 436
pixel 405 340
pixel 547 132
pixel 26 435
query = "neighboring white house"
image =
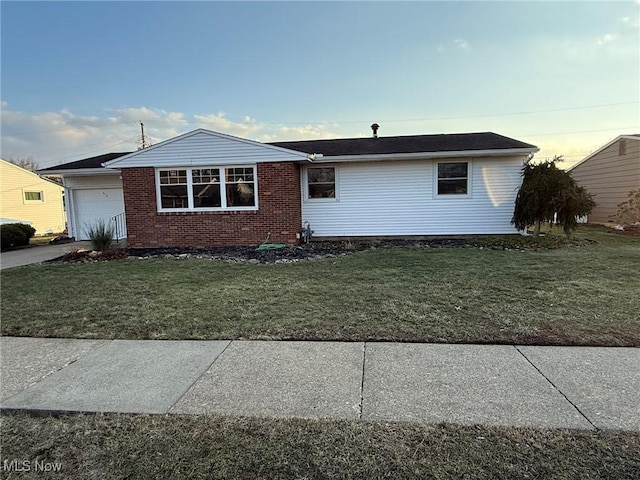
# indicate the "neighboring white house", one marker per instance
pixel 93 193
pixel 610 173
pixel 28 198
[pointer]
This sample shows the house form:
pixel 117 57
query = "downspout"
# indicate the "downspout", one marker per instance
pixel 310 158
pixel 71 211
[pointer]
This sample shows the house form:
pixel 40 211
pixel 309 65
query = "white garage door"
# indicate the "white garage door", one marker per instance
pixel 94 204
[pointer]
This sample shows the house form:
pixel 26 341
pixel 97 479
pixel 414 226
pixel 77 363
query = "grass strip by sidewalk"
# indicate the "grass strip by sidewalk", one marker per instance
pixel 587 295
pixel 128 446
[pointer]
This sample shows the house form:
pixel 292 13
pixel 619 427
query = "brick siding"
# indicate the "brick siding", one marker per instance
pixel 279 213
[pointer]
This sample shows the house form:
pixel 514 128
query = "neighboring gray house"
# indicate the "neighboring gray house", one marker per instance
pixel 610 173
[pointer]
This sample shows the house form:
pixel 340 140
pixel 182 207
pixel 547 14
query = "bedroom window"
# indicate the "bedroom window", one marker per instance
pixel 321 182
pixel 453 178
pixel 207 188
pixel 33 196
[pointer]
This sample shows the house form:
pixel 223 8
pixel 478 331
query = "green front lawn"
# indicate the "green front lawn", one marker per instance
pixel 575 295
pixel 159 446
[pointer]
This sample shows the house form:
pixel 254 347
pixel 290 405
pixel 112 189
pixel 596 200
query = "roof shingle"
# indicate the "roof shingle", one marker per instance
pixel 456 142
pixel 405 144
pixel 93 162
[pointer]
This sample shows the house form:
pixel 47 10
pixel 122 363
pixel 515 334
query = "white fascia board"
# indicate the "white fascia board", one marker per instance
pixel 80 172
pixel 593 154
pixel 424 155
pixel 125 158
pixel 204 162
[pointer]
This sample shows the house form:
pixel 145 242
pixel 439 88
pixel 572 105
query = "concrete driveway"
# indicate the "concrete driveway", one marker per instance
pixel 27 256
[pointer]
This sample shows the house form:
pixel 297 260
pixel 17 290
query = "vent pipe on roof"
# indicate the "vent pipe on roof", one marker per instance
pixel 375 128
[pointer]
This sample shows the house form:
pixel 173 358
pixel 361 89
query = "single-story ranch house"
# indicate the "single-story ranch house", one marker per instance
pixel 210 189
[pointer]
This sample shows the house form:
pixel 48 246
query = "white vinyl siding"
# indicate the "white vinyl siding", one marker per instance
pixel 398 198
pixel 97 181
pixel 207 149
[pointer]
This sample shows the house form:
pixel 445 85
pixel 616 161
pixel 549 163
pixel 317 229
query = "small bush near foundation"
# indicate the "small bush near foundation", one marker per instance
pixel 28 230
pixel 101 235
pixel 15 235
pixel 628 212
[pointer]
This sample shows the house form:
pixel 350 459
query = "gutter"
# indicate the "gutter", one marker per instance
pixel 79 172
pixel 319 158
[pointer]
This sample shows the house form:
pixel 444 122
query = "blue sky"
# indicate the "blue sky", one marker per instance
pixel 77 77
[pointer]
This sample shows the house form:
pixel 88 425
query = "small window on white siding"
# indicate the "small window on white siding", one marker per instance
pixel 31 196
pixel 453 178
pixel 321 183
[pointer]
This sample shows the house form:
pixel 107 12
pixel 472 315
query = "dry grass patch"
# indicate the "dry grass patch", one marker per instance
pixel 125 446
pixel 575 295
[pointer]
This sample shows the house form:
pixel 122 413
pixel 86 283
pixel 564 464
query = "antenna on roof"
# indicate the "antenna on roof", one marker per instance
pixel 375 128
pixel 144 143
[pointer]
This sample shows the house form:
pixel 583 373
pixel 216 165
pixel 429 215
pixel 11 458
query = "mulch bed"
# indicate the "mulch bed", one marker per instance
pixel 290 254
pixel 628 230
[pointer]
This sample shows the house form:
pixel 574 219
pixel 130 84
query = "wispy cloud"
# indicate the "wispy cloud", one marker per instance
pixel 461 43
pixel 52 138
pixel 607 38
pixel 303 132
pixel 455 44
pixel 220 123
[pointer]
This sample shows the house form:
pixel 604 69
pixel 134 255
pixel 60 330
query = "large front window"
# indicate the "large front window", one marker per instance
pixel 209 188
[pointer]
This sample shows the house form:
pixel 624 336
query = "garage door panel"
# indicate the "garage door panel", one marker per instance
pixel 96 204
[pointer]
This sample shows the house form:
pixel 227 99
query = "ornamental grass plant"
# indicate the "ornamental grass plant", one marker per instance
pixel 101 234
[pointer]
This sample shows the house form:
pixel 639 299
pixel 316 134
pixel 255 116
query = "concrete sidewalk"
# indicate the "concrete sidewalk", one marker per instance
pixel 554 387
pixel 37 254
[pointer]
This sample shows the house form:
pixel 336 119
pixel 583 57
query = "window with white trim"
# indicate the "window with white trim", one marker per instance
pixel 206 188
pixel 31 196
pixel 453 178
pixel 321 183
